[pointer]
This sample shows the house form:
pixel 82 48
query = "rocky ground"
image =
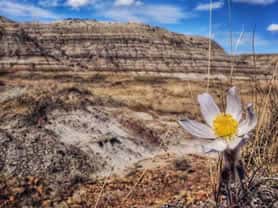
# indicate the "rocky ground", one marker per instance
pixel 164 181
pixel 103 140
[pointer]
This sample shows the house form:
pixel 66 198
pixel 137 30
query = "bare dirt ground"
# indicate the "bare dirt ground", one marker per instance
pixel 103 140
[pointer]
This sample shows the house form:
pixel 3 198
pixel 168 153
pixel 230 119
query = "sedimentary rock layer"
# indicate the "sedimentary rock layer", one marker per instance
pixel 265 61
pixel 101 46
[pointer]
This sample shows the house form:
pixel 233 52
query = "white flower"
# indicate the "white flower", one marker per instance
pixel 224 130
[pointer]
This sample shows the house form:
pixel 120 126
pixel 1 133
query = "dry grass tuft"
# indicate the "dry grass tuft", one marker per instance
pixel 263 150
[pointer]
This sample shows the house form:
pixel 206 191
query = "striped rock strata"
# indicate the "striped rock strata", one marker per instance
pixel 100 46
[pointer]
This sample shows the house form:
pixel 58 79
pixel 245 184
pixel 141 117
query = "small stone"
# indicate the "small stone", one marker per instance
pixel 182 164
pixel 275 205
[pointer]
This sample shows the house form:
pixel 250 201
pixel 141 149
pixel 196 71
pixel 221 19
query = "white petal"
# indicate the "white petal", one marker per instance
pixel 197 129
pixel 249 123
pixel 234 107
pixel 218 145
pixel 236 143
pixel 208 108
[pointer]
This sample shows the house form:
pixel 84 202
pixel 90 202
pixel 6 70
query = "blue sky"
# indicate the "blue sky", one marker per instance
pixel 182 16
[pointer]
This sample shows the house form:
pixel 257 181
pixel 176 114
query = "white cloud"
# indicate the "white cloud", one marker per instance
pixel 77 3
pixel 113 10
pixel 49 3
pixel 273 28
pixel 207 6
pixel 71 3
pixel 15 9
pixel 127 2
pixel 258 2
pixel 161 13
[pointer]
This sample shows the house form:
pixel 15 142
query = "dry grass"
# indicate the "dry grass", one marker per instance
pixel 263 150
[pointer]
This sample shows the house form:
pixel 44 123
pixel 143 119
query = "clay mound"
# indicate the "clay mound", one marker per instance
pixel 72 132
pixel 69 131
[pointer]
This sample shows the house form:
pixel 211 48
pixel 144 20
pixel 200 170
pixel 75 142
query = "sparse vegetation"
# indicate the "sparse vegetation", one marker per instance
pixel 160 101
pixel 262 151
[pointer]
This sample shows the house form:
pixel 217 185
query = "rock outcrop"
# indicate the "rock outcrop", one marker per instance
pixel 78 45
pixel 262 61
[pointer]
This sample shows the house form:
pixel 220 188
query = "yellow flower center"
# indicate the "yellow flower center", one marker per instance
pixel 225 126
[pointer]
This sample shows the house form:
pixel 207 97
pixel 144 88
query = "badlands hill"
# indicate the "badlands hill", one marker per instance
pixel 89 45
pixel 261 60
